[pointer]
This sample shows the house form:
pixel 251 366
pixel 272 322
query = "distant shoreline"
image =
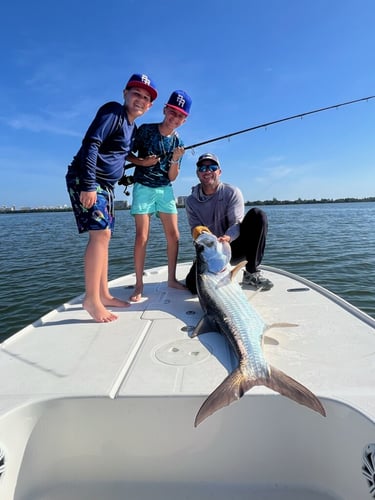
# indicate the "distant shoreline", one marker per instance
pixel 120 205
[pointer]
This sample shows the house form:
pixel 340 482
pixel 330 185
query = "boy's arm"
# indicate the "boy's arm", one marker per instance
pixel 174 163
pixel 100 128
pixel 149 161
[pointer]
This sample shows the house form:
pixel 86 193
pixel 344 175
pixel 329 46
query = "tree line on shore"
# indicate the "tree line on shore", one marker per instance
pixel 120 205
pixel 275 201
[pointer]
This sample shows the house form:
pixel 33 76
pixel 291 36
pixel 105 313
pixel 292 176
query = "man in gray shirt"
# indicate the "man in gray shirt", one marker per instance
pixel 220 207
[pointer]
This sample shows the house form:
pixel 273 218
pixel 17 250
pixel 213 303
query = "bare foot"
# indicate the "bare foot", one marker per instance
pixel 98 312
pixel 176 284
pixel 114 302
pixel 137 295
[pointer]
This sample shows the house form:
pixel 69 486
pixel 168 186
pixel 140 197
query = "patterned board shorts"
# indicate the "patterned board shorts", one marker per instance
pixel 100 216
pixel 152 200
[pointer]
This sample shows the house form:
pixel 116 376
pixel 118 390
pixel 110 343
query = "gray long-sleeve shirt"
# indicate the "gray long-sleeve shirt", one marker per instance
pixel 222 212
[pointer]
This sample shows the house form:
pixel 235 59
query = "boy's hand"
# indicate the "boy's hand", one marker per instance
pixel 149 161
pixel 87 198
pixel 177 153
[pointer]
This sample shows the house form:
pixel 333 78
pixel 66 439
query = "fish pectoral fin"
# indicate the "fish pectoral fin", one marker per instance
pixel 236 269
pixel 205 325
pixel 281 325
pixel 287 386
pixel 231 389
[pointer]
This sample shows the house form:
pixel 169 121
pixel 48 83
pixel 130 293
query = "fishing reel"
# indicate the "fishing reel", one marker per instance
pixel 126 181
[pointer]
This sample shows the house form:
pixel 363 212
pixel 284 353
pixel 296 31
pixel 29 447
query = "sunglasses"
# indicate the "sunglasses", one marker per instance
pixel 208 168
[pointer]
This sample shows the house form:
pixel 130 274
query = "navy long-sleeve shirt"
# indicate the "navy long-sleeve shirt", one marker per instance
pixel 107 142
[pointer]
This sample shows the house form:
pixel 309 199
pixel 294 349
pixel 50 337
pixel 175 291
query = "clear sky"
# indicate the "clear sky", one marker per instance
pixel 244 63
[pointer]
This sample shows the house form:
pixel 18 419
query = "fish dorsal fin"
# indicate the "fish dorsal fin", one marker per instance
pixel 237 268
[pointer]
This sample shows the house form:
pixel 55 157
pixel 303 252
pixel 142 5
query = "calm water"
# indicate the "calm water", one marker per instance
pixel 42 255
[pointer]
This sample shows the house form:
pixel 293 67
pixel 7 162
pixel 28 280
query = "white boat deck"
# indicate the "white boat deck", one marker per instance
pixel 106 410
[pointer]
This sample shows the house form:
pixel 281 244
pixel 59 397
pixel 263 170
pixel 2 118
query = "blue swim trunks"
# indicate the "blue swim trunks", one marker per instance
pixel 152 200
pixel 100 216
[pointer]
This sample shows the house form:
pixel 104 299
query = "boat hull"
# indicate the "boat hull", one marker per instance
pixel 145 447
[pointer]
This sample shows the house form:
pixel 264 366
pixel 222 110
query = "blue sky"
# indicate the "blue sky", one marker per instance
pixel 243 62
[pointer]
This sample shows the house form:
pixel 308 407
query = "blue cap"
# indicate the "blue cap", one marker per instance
pixel 180 101
pixel 144 82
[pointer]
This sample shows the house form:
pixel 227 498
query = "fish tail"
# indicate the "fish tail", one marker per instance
pixel 232 388
pixel 287 386
pixel 240 381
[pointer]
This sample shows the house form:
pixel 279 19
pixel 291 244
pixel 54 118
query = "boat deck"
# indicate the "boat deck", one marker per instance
pixel 148 350
pixel 125 395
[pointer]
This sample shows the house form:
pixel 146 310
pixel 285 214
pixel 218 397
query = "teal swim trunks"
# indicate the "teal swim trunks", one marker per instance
pixel 152 200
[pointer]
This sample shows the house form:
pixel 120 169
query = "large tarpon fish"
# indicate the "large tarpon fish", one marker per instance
pixel 227 310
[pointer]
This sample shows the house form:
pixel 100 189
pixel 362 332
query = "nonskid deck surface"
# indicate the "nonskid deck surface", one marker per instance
pixel 149 349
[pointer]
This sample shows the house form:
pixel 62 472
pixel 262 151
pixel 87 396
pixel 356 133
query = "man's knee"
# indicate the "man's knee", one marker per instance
pixel 257 213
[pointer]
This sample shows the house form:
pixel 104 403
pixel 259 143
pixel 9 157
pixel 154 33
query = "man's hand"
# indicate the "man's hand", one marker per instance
pixel 224 238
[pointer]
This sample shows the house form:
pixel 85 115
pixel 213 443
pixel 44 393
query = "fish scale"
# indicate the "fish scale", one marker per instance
pixel 238 318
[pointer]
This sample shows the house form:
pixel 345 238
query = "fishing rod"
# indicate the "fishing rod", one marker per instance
pixel 127 180
pixel 267 124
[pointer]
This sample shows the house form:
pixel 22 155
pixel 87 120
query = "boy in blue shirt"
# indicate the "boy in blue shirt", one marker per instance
pixel 91 178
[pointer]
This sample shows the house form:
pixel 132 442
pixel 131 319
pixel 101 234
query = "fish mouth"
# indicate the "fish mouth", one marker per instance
pixel 198 230
pixel 206 240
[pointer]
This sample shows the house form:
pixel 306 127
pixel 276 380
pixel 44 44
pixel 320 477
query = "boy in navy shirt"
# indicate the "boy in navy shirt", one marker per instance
pixel 91 178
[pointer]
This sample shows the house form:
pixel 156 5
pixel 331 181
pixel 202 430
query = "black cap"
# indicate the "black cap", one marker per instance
pixel 207 156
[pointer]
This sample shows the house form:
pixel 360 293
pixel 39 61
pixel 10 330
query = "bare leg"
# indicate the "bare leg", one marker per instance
pixel 142 232
pixel 98 297
pixel 106 297
pixel 96 264
pixel 170 224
